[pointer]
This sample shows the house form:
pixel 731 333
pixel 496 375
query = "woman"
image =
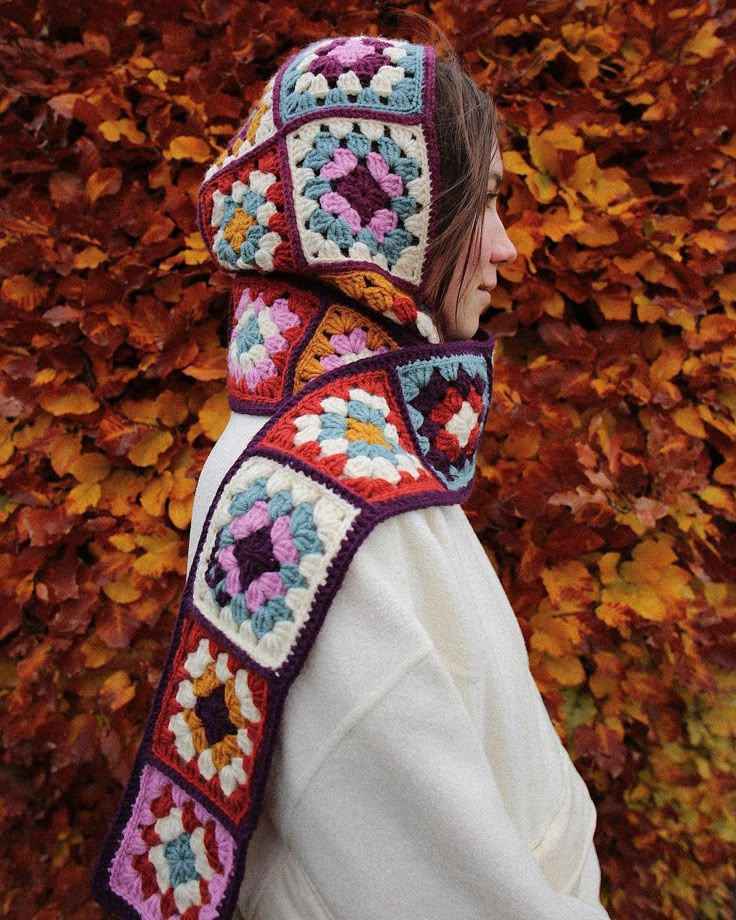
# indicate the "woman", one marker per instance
pixel 347 696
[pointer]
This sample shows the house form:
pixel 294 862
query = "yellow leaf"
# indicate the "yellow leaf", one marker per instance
pixel 187 147
pixel 159 78
pixel 105 181
pixel 543 154
pixel 209 365
pixel 554 304
pixel 601 233
pixel 214 415
pixel 90 467
pixel 172 408
pixel 726 287
pixel 562 137
pixel 614 304
pixel 83 496
pixel 180 512
pixel 147 451
pixel 23 292
pixel 123 127
pixel 45 375
pixel 570 586
pixel 688 419
pixel 720 498
pixel 705 43
pixel 95 653
pixel 89 257
pixel 720 718
pixel 64 454
pixel 184 485
pixel 116 691
pixel 713 241
pixel 558 635
pixel 79 402
pixel 162 555
pixel 144 410
pixel 122 592
pixel 154 495
pixel 600 186
pixel 651 556
pixel 120 491
pixel 542 187
pixel 568 672
pixel 514 162
pixel 195 256
pixel 727 221
pixel 558 223
pixel 123 541
pixel 634 263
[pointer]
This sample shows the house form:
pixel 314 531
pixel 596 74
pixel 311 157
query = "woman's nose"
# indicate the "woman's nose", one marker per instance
pixel 505 251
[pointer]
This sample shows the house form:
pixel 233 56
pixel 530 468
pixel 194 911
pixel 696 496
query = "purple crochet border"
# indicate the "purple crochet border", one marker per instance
pixel 370 513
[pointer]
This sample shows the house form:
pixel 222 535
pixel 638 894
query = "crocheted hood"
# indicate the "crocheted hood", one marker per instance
pixel 330 190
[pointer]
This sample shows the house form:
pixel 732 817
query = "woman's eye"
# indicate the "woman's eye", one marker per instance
pixel 492 196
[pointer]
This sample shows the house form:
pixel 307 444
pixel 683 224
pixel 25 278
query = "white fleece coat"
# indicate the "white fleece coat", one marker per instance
pixel 417 774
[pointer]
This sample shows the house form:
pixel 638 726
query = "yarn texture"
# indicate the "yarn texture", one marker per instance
pixel 322 207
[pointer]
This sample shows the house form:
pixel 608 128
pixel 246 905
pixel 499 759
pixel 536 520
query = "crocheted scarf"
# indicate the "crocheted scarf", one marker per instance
pixel 322 206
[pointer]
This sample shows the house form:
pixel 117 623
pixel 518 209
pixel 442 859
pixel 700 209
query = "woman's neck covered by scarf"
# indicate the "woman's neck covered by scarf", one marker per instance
pixel 323 206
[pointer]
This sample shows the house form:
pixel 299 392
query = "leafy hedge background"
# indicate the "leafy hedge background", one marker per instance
pixel 605 494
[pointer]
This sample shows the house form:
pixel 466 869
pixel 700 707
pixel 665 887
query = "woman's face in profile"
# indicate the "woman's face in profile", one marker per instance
pixel 490 246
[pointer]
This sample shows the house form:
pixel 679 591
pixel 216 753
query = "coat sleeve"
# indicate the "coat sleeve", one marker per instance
pixel 403 817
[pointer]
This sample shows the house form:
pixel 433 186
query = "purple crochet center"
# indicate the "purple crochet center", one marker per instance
pixel 348 54
pixel 214 715
pixel 346 345
pixel 432 394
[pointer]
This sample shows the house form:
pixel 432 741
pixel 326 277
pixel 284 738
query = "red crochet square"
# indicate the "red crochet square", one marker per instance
pixel 211 724
pixel 352 429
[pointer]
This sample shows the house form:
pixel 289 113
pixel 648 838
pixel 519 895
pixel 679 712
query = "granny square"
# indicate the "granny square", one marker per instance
pixel 361 191
pixel 273 534
pixel 343 336
pixel 361 71
pixel 353 430
pixel 242 215
pixel 175 858
pixel 211 722
pixel 448 399
pixel 267 324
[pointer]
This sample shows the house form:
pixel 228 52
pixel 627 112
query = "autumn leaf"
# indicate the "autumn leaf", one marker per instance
pixel 189 148
pixel 214 414
pixel 103 182
pixel 147 451
pixel 73 400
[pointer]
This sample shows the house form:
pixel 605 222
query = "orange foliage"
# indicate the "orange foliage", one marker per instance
pixel 605 493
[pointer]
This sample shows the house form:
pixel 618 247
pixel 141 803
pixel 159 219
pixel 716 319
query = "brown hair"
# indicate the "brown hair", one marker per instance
pixel 466 126
pixel 467 129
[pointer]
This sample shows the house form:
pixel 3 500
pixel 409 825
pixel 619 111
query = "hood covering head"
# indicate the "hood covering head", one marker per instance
pixel 333 179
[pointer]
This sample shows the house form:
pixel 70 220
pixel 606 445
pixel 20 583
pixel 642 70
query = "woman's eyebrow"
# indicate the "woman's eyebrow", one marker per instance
pixel 497 178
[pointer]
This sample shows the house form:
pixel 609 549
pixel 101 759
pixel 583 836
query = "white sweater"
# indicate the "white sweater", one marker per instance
pixel 416 774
